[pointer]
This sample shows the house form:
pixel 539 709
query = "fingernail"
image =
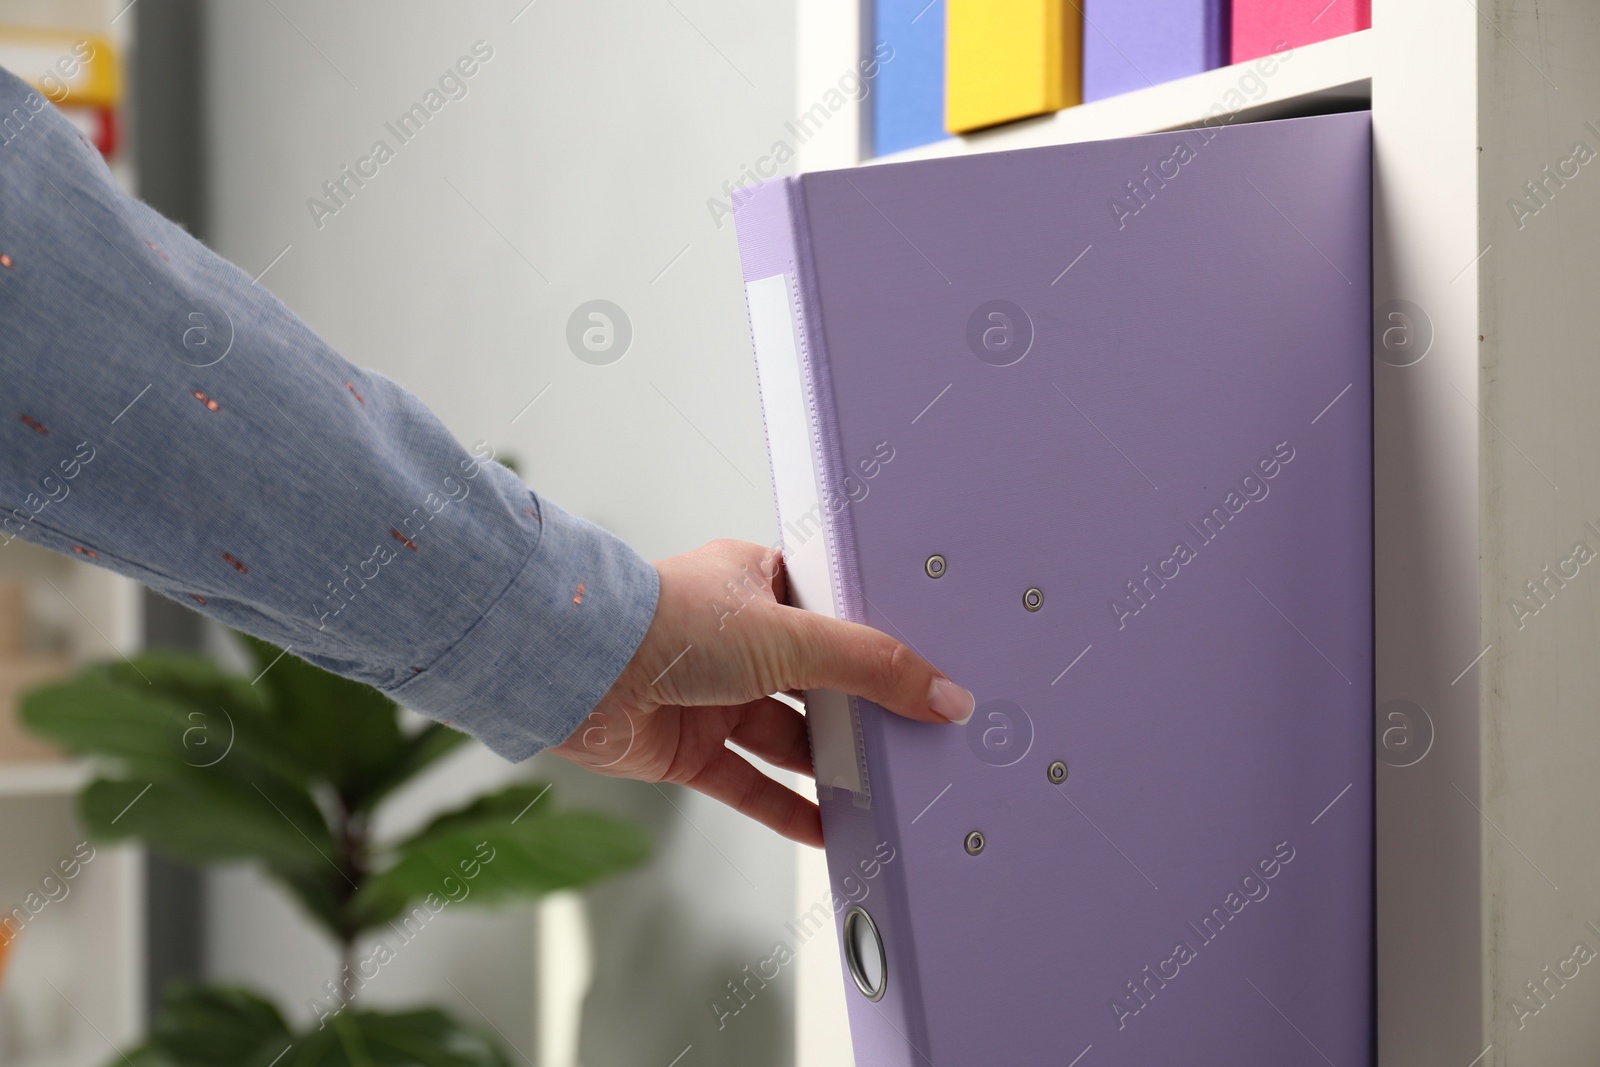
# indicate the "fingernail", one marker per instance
pixel 948 699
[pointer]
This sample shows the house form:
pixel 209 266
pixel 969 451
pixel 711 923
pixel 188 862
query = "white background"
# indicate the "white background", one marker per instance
pixel 591 142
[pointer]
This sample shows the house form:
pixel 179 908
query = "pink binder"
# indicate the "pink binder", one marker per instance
pixel 1262 27
pixel 1089 427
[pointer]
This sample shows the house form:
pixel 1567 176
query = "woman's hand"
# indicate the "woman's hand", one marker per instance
pixel 721 641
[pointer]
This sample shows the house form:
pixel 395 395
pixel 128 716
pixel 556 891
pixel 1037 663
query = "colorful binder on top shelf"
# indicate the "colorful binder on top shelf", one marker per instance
pixel 907 98
pixel 67 67
pixel 1089 427
pixel 79 73
pixel 1261 27
pixel 1008 60
pixel 1129 44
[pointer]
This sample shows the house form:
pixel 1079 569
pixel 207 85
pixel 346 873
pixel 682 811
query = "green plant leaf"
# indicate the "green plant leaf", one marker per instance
pixel 381 1039
pixel 348 732
pixel 148 729
pixel 191 680
pixel 210 1026
pixel 485 854
pixel 321 891
pixel 293 783
pixel 203 818
pixel 216 1026
pixel 220 709
pixel 93 714
pixel 143 1056
pixel 429 745
pixel 513 804
pixel 205 789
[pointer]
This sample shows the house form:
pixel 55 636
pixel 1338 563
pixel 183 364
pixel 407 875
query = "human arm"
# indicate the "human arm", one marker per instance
pixel 172 420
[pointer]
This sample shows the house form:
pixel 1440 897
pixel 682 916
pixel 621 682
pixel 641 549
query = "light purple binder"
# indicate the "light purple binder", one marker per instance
pixel 1129 44
pixel 1089 427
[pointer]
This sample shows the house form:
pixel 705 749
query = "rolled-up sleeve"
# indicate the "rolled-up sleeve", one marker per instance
pixel 167 418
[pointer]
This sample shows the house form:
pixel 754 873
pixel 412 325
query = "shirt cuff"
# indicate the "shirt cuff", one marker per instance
pixel 529 671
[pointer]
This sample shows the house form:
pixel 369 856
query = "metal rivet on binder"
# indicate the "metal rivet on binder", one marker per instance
pixel 1058 772
pixel 1033 600
pixel 934 567
pixel 974 843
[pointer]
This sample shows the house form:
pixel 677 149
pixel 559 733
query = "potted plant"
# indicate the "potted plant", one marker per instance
pixel 288 772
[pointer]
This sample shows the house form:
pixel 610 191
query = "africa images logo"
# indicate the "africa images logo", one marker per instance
pixel 599 332
pixel 999 332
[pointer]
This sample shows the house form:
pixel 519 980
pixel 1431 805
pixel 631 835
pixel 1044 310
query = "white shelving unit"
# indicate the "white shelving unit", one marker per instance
pixel 73 993
pixel 1487 469
pixel 74 986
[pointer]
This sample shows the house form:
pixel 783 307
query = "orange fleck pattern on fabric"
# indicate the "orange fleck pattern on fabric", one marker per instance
pixel 578 597
pixel 233 562
pixel 351 386
pixel 211 405
pixel 403 539
pixel 35 425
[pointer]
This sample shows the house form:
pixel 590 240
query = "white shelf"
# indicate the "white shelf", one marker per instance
pixel 1330 75
pixel 75 978
pixel 87 612
pixel 42 779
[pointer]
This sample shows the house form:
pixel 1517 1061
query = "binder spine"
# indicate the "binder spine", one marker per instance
pixel 802 446
pixel 843 564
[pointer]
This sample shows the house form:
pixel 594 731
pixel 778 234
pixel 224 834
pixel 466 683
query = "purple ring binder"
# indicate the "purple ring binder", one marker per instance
pixel 1179 465
pixel 1130 44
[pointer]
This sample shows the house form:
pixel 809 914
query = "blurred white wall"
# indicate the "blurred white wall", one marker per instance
pixel 577 167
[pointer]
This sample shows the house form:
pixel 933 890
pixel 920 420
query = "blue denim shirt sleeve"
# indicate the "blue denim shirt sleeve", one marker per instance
pixel 163 416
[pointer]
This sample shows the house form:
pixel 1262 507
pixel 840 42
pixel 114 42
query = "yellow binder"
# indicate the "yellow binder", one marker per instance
pixel 67 67
pixel 1008 59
